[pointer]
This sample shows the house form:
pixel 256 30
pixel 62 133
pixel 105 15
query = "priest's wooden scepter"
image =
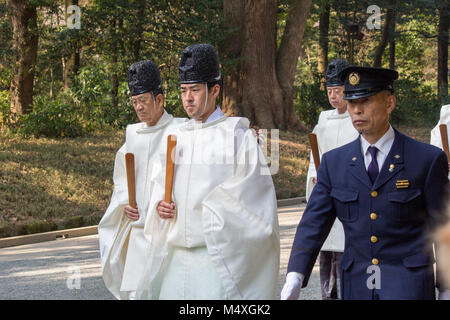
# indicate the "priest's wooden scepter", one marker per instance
pixel 314 149
pixel 444 138
pixel 129 162
pixel 170 163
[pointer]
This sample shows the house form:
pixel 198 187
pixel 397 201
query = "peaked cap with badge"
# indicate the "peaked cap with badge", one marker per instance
pixel 143 76
pixel 361 82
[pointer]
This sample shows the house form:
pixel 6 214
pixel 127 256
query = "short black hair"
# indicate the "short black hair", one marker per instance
pixel 158 91
pixel 213 83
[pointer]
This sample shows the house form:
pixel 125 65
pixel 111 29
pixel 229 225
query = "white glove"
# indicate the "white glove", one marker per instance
pixel 292 286
pixel 444 294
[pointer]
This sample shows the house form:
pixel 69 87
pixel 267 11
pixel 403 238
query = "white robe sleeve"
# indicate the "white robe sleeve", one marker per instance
pixel 435 138
pixel 241 227
pixel 114 228
pixel 119 198
pixel 156 231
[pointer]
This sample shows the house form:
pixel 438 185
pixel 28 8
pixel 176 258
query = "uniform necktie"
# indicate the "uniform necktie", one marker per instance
pixel 372 170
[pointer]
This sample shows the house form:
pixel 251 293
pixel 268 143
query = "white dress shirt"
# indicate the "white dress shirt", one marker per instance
pixel 383 145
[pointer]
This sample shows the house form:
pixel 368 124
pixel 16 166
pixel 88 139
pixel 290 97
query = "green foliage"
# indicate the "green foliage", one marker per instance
pixel 173 99
pixel 416 33
pixel 116 33
pixel 5 48
pixel 85 107
pixel 52 118
pixel 111 39
pixel 309 99
pixel 417 104
pixel 91 91
pixel 311 102
pixel 123 114
pixel 5 111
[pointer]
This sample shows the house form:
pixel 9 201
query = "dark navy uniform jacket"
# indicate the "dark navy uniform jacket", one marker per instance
pixel 386 224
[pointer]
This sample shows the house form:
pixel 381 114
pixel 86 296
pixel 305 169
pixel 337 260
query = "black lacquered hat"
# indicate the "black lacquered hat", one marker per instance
pixel 333 69
pixel 199 63
pixel 361 82
pixel 143 76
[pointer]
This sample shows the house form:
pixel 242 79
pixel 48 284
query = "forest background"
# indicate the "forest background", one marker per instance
pixel 64 99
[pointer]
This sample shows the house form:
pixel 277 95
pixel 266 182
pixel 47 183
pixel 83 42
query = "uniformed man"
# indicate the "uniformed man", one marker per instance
pixel 334 129
pixel 386 189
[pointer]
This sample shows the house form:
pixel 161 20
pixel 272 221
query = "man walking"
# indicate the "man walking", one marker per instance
pixel 386 189
pixel 121 230
pixel 334 129
pixel 219 237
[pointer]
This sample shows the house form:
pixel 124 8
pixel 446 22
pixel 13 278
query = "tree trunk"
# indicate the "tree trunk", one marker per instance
pixel 232 93
pixel 114 60
pixel 71 63
pixel 260 86
pixel 322 59
pixel 384 36
pixel 25 44
pixel 287 60
pixel 392 44
pixel 116 43
pixel 71 66
pixel 139 30
pixel 261 93
pixel 443 40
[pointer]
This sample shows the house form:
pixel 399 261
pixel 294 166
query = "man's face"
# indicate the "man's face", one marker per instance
pixel 146 109
pixel 336 98
pixel 370 115
pixel 193 97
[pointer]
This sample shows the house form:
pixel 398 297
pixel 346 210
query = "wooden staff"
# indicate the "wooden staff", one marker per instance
pixel 131 180
pixel 315 149
pixel 171 144
pixel 444 138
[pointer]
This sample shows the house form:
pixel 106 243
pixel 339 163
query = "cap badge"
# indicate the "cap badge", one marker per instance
pixel 354 79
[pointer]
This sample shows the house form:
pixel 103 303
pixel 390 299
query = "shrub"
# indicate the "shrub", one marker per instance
pixel 5 109
pixel 172 95
pixel 52 118
pixel 417 104
pixel 91 90
pixel 310 102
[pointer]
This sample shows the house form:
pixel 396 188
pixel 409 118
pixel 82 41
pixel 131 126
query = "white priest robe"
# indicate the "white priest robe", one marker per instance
pixel 333 130
pixel 122 241
pixel 444 118
pixel 223 242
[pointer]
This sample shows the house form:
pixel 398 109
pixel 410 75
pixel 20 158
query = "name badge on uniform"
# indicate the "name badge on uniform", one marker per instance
pixel 401 184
